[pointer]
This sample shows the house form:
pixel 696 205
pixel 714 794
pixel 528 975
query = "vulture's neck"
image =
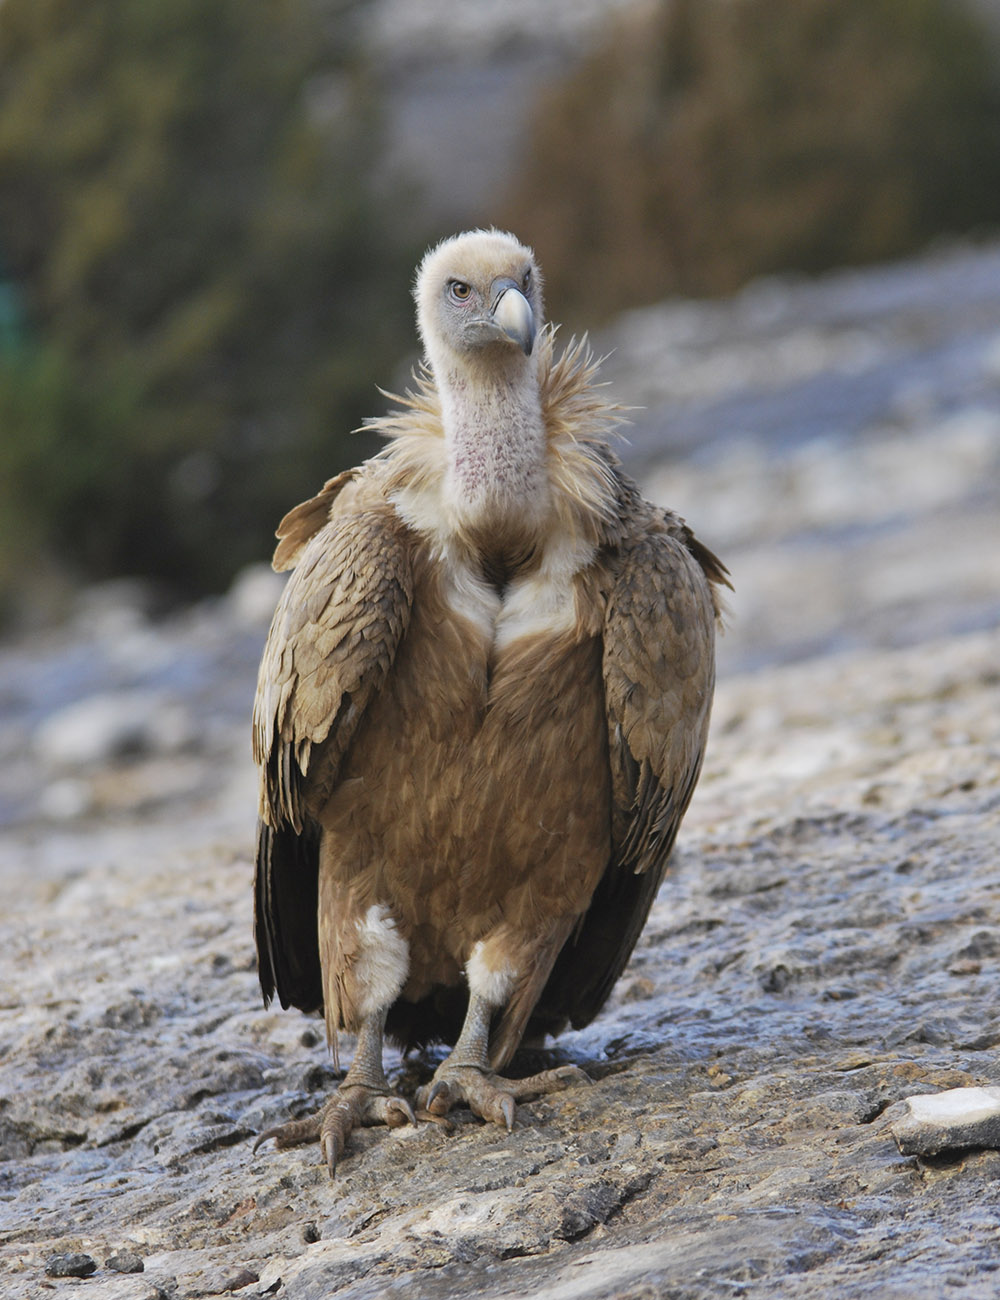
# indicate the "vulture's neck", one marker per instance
pixel 496 480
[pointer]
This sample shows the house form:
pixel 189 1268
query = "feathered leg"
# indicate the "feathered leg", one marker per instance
pixel 363 1098
pixel 364 960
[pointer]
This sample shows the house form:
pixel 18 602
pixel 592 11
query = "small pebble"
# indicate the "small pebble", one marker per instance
pixel 126 1261
pixel 70 1266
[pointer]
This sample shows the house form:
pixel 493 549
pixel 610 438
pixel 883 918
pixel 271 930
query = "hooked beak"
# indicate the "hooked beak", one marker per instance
pixel 511 313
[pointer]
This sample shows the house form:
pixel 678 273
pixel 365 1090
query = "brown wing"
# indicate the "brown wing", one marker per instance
pixel 659 675
pixel 332 642
pixel 304 521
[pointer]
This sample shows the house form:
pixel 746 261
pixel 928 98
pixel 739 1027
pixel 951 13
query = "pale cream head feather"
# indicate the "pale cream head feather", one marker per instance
pixel 479 297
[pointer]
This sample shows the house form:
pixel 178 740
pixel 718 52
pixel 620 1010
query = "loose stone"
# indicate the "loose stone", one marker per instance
pixel 126 1261
pixel 946 1121
pixel 71 1265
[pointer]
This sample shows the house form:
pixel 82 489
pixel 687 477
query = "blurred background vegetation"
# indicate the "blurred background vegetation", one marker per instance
pixel 710 141
pixel 204 272
pixel 201 284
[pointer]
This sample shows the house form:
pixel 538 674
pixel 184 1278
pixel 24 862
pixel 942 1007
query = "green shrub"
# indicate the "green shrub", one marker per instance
pixel 709 141
pixel 207 280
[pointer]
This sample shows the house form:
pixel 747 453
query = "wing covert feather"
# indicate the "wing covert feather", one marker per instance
pixel 305 520
pixel 332 641
pixel 659 675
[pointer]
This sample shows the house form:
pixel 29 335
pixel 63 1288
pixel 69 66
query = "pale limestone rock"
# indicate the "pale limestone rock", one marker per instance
pixel 112 725
pixel 947 1121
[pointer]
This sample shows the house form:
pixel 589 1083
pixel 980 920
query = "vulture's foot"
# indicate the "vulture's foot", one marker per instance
pixel 353 1105
pixel 488 1095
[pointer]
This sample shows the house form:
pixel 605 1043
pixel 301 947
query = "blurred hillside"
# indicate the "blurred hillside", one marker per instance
pixel 209 215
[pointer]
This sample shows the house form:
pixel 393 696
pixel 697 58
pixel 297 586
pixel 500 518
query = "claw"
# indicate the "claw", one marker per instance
pixel 398 1112
pixel 328 1145
pixel 439 1092
pixel 262 1137
pixel 350 1107
pixel 488 1095
pixel 341 1115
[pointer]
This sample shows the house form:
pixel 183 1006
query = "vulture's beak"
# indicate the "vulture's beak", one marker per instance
pixel 511 313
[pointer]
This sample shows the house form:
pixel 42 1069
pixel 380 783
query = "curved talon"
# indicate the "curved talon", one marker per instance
pixel 340 1117
pixel 439 1098
pixel 398 1112
pixel 262 1137
pixel 493 1103
pixel 352 1107
pixel 328 1145
pixel 349 1108
pixel 488 1095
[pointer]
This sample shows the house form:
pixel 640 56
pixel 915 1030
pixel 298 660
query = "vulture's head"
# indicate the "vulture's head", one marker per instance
pixel 479 298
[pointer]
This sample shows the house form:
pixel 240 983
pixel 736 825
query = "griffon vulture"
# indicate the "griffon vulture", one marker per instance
pixel 481 711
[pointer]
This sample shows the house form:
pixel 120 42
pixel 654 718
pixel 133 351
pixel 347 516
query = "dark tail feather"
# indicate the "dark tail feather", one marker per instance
pixel 592 959
pixel 286 895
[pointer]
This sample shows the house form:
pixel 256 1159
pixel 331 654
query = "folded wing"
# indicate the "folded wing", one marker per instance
pixel 332 641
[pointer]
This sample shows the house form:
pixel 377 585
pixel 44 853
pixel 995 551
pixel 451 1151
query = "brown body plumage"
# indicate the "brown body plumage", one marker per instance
pixel 482 707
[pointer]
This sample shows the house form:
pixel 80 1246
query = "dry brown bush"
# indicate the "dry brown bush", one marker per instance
pixel 710 141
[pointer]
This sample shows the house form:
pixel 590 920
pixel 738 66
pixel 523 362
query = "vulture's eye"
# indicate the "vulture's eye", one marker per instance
pixel 459 291
pixel 526 282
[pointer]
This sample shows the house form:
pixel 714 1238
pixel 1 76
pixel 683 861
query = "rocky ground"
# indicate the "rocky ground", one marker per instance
pixel 824 947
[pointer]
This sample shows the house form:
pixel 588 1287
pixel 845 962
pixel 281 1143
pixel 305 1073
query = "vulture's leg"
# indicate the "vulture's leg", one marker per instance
pixel 465 1074
pixel 362 1098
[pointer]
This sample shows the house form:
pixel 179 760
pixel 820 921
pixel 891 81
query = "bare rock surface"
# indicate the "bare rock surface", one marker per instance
pixel 824 948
